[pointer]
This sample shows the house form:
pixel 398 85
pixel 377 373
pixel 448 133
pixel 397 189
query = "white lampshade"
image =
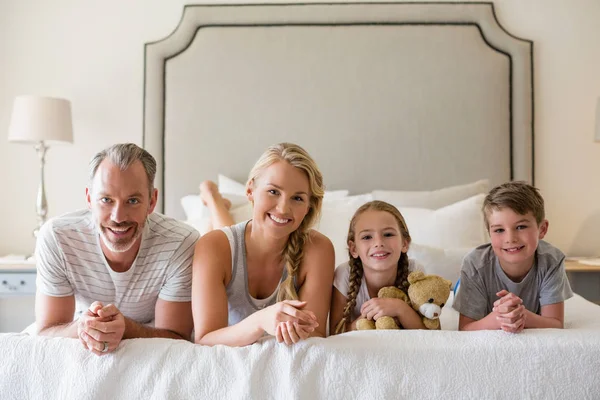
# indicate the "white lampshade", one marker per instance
pixel 36 119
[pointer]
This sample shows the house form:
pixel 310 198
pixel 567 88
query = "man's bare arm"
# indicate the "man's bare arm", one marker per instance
pixel 54 316
pixel 172 320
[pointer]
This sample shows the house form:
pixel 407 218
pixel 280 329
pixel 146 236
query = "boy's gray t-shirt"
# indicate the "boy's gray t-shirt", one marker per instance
pixel 481 277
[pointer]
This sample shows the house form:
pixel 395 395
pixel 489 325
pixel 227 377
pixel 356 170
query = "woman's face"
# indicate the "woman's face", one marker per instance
pixel 281 197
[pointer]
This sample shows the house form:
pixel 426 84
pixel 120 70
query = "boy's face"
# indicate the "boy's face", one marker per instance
pixel 515 238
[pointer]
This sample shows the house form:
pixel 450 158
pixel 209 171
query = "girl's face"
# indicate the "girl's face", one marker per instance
pixel 377 240
pixel 281 197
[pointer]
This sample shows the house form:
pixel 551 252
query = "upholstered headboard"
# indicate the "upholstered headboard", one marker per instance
pixel 412 96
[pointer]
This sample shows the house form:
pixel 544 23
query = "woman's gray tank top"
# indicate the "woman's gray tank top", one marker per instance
pixel 240 303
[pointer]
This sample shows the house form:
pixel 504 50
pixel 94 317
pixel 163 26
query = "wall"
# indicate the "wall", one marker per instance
pixel 91 52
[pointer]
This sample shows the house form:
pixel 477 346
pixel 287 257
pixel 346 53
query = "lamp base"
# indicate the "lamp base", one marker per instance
pixel 41 204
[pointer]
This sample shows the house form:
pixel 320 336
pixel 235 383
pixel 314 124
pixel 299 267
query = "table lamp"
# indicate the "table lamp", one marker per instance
pixel 41 121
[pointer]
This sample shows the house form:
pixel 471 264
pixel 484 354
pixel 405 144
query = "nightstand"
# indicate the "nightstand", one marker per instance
pixel 17 294
pixel 585 277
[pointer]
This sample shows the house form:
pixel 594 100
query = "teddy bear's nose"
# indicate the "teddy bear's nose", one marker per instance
pixel 435 314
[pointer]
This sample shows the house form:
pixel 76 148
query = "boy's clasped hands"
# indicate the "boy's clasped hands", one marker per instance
pixel 510 312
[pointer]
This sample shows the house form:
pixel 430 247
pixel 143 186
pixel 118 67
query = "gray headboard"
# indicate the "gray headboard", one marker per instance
pixel 412 96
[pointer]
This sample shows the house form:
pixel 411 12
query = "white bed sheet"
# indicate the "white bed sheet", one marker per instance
pixel 545 364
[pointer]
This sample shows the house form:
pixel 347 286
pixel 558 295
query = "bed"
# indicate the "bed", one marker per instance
pixel 539 364
pixel 424 105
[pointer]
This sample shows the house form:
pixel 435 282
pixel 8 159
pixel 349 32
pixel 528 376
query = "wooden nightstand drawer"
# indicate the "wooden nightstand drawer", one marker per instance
pixel 584 279
pixel 577 266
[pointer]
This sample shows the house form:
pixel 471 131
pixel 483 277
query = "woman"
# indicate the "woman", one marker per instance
pixel 272 273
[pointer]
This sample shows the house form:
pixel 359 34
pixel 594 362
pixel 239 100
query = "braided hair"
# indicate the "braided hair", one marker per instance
pixel 293 253
pixel 356 266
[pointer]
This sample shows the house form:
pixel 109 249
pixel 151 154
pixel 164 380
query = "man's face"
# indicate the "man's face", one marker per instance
pixel 120 202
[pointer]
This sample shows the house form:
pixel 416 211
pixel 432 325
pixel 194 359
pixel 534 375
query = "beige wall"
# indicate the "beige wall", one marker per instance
pixel 91 52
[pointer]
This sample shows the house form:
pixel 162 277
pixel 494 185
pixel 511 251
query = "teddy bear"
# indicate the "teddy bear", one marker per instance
pixel 384 322
pixel 426 294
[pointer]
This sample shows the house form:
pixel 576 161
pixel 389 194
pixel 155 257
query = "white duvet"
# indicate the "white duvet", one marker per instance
pixel 540 364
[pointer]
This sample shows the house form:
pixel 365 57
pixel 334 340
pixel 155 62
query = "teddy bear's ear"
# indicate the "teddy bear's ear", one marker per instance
pixel 449 283
pixel 415 277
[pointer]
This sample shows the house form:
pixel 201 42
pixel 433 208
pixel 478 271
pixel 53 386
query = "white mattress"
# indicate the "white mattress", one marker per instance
pixel 547 364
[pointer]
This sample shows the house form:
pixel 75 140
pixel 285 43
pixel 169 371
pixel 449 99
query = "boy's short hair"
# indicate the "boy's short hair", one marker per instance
pixel 519 196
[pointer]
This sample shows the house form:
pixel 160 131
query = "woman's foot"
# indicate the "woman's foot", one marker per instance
pixel 217 205
pixel 209 194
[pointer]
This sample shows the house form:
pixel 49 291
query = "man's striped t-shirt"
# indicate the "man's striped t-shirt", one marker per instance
pixel 70 262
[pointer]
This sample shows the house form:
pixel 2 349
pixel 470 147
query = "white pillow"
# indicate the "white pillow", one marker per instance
pixel 443 262
pixel 459 225
pixel 235 192
pixel 335 221
pixel 193 207
pixel 432 199
pixel 203 224
pixel 230 186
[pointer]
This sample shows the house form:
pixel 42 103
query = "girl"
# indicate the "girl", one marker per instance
pixel 378 240
pixel 272 273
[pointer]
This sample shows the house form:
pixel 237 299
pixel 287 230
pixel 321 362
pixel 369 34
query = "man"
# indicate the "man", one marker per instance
pixel 106 272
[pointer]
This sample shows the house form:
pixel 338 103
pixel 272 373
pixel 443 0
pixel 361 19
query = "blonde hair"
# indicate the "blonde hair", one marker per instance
pixel 356 267
pixel 519 196
pixel 297 157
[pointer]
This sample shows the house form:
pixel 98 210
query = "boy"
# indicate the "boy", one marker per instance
pixel 517 281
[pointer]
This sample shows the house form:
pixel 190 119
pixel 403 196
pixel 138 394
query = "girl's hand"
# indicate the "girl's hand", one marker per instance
pixel 376 308
pixel 284 311
pixel 292 332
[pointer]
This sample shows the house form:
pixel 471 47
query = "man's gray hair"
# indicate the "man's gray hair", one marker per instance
pixel 123 155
